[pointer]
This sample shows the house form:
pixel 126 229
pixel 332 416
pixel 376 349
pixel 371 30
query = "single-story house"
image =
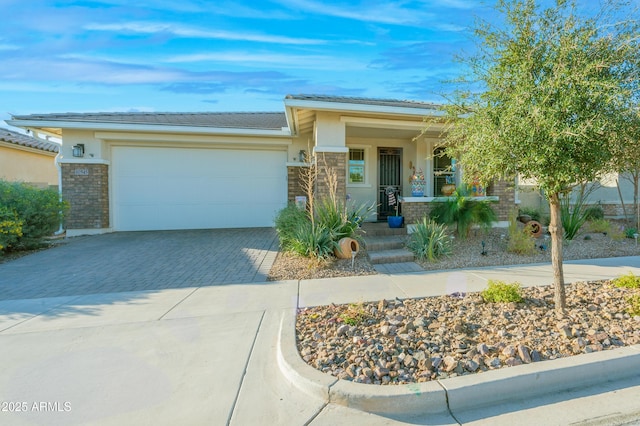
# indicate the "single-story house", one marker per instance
pixel 27 159
pixel 163 171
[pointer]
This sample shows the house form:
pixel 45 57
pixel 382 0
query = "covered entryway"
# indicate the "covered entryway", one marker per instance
pixel 389 176
pixel 158 188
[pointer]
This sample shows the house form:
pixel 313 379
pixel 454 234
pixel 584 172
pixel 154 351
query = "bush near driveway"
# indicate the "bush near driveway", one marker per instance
pixel 27 215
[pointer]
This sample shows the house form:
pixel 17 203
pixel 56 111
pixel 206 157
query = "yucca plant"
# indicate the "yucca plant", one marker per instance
pixel 429 240
pixel 463 211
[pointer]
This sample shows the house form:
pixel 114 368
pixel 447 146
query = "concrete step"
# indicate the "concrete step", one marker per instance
pixel 377 229
pixel 390 242
pixel 391 256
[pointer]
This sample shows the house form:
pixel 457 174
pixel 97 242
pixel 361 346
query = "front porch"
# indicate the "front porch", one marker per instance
pixel 373 146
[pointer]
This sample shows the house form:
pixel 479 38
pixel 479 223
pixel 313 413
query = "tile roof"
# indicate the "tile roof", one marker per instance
pixel 241 120
pixel 365 101
pixel 9 136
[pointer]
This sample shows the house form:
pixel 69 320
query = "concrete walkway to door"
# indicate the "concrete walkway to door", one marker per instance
pixel 138 261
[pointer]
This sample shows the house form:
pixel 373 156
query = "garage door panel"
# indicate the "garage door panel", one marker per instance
pixel 173 188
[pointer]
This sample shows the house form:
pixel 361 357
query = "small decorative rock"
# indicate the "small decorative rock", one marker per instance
pixel 443 337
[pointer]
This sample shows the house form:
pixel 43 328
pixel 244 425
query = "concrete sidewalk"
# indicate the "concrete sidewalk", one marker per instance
pixel 210 355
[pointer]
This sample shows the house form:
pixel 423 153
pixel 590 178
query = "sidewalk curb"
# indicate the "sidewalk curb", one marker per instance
pixel 540 378
pixel 457 393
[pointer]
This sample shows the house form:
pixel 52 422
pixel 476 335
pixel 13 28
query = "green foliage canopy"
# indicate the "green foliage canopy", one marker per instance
pixel 557 92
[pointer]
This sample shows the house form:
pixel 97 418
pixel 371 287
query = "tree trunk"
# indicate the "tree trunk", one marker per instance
pixel 555 228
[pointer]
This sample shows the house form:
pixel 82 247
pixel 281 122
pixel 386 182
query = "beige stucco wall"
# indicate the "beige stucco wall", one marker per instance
pixel 605 192
pixel 329 130
pixel 19 164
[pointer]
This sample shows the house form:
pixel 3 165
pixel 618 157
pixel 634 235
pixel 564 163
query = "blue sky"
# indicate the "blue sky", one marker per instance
pixel 201 55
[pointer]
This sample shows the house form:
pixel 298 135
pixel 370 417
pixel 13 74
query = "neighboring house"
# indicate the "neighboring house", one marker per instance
pixel 161 171
pixel 613 193
pixel 27 159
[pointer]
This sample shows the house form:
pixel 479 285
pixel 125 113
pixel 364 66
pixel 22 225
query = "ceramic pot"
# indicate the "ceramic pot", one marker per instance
pixel 345 247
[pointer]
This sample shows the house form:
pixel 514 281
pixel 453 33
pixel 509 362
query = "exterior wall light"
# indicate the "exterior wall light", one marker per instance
pixel 78 150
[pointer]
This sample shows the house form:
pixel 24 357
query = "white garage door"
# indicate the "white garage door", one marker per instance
pixel 181 188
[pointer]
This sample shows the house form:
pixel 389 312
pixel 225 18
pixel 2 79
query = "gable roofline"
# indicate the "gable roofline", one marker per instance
pixel 227 123
pixel 15 138
pixel 362 105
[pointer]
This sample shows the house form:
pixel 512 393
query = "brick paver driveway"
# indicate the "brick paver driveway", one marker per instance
pixel 132 261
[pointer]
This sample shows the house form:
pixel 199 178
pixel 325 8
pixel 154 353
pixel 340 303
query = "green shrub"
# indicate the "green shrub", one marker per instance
pixel 520 239
pixel 287 222
pixel 594 213
pixel 340 220
pixel 463 211
pixel 332 221
pixel 355 314
pixel 572 218
pixel 630 232
pixel 599 225
pixel 10 228
pixel 312 241
pixel 429 240
pixel 501 292
pixel 634 305
pixel 40 212
pixel 627 281
pixel 532 212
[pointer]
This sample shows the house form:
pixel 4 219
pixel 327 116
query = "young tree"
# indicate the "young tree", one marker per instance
pixel 548 92
pixel 629 161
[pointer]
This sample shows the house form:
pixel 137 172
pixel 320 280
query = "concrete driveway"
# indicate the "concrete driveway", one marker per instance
pixel 147 328
pixel 135 261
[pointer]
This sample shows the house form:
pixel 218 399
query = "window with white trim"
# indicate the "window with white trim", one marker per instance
pixel 357 165
pixel 443 171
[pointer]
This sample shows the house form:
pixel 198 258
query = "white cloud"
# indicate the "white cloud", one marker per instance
pixel 188 32
pixel 275 60
pixel 383 13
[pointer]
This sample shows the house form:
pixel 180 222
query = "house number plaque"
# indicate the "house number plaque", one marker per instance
pixel 81 172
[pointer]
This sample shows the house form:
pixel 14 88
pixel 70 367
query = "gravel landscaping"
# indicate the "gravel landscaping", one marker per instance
pixel 418 340
pixel 390 342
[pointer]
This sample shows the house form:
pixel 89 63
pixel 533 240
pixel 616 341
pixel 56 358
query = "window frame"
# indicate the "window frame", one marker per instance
pixel 365 166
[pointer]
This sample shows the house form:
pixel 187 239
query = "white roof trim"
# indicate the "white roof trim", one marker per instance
pixel 36 124
pixel 382 123
pixel 350 107
pixel 169 137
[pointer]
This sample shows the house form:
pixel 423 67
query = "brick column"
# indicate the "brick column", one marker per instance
pixel 86 188
pixel 294 182
pixel 506 192
pixel 336 162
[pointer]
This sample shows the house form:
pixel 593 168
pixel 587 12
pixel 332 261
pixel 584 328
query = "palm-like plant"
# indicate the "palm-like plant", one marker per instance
pixel 463 211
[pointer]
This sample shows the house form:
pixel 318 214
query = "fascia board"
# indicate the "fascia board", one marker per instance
pixel 35 124
pixel 348 107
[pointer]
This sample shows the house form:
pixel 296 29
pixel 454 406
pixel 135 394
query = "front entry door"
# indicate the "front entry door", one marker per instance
pixel 389 175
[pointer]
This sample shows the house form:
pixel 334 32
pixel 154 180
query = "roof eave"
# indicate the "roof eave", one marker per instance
pixel 362 108
pixel 38 124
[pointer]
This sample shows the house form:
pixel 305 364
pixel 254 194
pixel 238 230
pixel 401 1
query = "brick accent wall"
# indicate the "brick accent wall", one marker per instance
pixel 414 212
pixel 294 183
pixel 86 188
pixel 506 192
pixel 332 161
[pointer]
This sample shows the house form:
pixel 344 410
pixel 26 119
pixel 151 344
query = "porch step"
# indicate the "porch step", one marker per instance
pixel 381 242
pixel 385 245
pixel 391 256
pixel 377 229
